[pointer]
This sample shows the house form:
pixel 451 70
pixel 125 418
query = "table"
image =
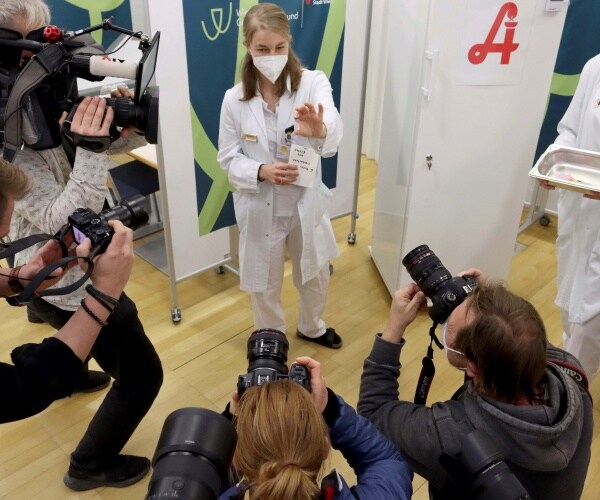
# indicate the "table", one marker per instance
pixel 146 154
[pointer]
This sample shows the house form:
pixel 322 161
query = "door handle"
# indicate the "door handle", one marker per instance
pixel 427 88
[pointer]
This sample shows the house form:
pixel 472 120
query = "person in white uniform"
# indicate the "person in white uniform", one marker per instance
pixel 279 104
pixel 578 242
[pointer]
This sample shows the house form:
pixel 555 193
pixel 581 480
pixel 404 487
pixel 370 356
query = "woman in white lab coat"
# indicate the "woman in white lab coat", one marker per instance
pixel 578 242
pixel 279 107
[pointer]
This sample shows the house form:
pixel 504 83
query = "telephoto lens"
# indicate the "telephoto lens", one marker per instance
pixel 267 358
pixel 436 282
pixel 426 269
pixel 193 455
pixel 130 211
pixel 481 470
pixel 268 349
pixel 87 224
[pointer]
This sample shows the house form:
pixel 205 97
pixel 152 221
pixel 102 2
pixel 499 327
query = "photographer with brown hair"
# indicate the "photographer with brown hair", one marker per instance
pixel 525 394
pixel 45 372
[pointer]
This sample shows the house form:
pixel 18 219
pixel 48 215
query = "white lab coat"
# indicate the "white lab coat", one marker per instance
pixel 243 147
pixel 578 242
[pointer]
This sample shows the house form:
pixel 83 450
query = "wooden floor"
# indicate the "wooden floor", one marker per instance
pixel 203 355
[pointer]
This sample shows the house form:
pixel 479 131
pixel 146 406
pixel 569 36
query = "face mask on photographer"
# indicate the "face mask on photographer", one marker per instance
pixel 270 66
pixel 445 343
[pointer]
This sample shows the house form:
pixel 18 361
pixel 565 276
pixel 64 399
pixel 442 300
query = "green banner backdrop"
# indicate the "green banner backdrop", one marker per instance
pixel 78 14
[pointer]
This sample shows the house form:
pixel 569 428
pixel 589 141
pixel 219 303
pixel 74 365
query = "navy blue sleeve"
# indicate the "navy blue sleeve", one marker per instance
pixel 380 469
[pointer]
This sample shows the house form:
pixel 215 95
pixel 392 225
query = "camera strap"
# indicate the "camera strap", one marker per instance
pixel 46 62
pixel 30 291
pixel 560 360
pixel 427 368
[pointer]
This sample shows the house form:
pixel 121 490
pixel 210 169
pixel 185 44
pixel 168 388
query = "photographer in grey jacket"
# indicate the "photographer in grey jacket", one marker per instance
pixel 521 391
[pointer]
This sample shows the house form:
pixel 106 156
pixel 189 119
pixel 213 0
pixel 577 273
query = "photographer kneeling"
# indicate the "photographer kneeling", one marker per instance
pixel 60 184
pixel 285 435
pixel 536 413
pixel 47 371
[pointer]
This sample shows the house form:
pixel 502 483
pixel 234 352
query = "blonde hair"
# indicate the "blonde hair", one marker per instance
pixel 282 442
pixel 271 17
pixel 12 182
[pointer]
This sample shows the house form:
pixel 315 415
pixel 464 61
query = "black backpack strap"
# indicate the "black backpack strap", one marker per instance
pixel 46 62
pixel 445 424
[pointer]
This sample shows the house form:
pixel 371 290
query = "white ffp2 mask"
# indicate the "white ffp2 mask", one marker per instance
pixel 270 66
pixel 444 330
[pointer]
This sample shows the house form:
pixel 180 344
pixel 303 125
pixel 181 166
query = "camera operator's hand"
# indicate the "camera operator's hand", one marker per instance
pixel 235 403
pixel 405 305
pixel 113 267
pixel 475 273
pixel 50 252
pixel 592 195
pixel 546 185
pixel 318 389
pixel 279 173
pixel 119 92
pixel 92 118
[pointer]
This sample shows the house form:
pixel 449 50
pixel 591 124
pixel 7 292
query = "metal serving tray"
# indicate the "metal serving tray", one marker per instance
pixel 569 168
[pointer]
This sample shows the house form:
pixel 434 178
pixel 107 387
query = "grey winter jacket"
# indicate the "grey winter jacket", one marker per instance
pixel 546 446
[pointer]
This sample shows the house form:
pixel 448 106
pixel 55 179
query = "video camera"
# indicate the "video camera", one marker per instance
pixel 34 93
pixel 267 358
pixel 480 471
pixel 436 282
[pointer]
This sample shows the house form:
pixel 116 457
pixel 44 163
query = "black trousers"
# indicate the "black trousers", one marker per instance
pixel 122 350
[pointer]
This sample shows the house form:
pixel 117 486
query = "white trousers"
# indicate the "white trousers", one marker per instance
pixel 266 306
pixel 582 340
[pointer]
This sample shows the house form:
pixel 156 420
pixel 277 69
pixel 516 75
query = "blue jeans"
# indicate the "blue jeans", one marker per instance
pixel 122 350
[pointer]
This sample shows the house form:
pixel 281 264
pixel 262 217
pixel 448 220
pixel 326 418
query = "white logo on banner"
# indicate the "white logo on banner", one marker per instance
pixel 495 42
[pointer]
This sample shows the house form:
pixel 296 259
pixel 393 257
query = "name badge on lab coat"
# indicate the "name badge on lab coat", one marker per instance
pixel 283 149
pixel 249 137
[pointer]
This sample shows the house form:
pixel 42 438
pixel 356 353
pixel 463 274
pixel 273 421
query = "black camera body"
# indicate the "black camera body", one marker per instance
pixel 436 282
pixel 267 356
pixel 86 223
